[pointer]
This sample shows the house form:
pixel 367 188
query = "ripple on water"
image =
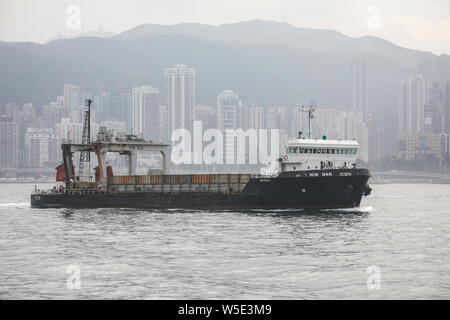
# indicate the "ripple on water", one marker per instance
pixel 229 254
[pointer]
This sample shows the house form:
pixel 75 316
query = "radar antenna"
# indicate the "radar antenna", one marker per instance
pixel 310 111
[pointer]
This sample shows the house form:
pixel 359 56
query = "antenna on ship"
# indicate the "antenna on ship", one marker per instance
pixel 310 111
pixel 84 168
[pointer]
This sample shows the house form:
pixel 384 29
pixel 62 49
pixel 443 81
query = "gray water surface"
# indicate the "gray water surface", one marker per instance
pixel 401 230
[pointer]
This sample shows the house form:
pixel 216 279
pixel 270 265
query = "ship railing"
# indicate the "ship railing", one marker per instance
pixel 259 176
pixel 48 191
pixel 69 191
pixel 84 191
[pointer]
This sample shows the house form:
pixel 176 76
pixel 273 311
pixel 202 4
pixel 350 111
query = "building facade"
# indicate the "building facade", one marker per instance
pixel 180 97
pixel 8 143
pixel 421 145
pixel 40 147
pixel 72 98
pixel 360 101
pixel 145 106
pixel 414 95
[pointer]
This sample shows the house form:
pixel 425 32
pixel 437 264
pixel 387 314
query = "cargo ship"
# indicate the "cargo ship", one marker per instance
pixel 309 173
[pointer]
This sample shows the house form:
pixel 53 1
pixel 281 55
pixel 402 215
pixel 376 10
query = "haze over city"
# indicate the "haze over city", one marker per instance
pixel 377 71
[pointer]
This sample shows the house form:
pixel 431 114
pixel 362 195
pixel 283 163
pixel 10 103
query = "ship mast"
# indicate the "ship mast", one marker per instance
pixel 310 111
pixel 85 155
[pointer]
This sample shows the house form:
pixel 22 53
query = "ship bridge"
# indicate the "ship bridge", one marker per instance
pixel 312 154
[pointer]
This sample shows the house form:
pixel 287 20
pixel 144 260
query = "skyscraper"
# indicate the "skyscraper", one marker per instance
pixel 228 109
pixel 71 98
pixel 256 117
pixel 207 115
pixel 447 107
pixel 52 113
pixel 40 147
pixel 121 107
pixel 360 100
pixel 8 143
pixel 414 95
pixel 180 97
pixel 145 103
pixel 102 106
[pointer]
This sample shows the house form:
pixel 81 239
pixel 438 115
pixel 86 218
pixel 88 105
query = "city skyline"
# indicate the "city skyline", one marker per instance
pixel 152 111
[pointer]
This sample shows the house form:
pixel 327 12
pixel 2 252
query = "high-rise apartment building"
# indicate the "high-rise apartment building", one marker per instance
pixel 145 105
pixel 359 85
pixel 121 108
pixel 72 98
pixel 447 107
pixel 52 114
pixel 419 146
pixel 102 105
pixel 40 147
pixel 228 109
pixel 207 115
pixel 8 143
pixel 256 116
pixel 414 95
pixel 180 97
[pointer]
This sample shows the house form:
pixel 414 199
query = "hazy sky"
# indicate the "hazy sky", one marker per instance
pixel 423 25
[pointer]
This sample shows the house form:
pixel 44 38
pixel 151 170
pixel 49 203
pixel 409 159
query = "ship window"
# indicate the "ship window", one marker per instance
pixel 319 150
pixel 300 150
pixel 309 150
pixel 314 150
pixel 332 151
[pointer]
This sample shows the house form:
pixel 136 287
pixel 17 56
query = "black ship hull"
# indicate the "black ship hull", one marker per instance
pixel 339 188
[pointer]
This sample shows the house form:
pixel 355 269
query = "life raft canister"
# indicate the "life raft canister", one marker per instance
pixel 285 157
